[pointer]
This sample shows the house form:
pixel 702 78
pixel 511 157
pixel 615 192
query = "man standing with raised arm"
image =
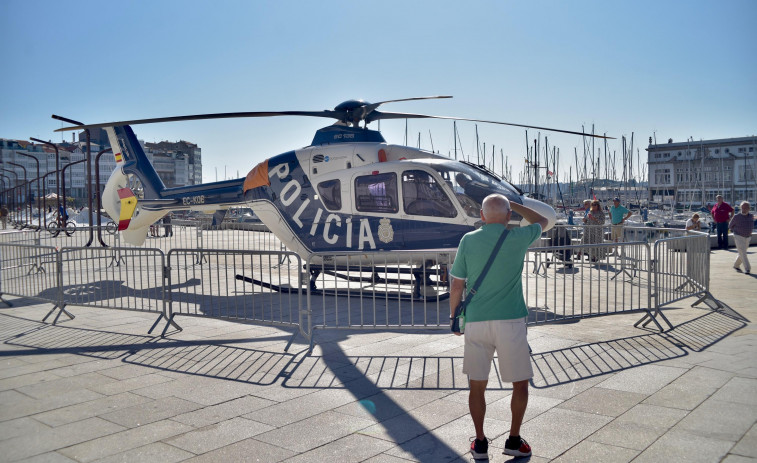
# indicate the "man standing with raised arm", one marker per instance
pixel 496 316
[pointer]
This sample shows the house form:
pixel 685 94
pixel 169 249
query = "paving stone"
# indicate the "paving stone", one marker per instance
pixel 28 406
pixel 89 409
pixel 593 451
pixel 150 412
pixel 449 442
pixel 747 446
pixel 555 431
pixel 156 451
pixel 315 431
pixel 218 435
pixel 131 384
pixel 682 446
pixel 124 441
pixel 20 427
pixel 646 379
pixel 352 448
pixel 683 396
pixel 14 382
pixel 601 401
pixel 628 435
pixel 245 451
pixel 389 404
pixel 50 457
pixel 737 459
pixel 407 426
pixel 47 440
pixel 303 407
pixel 719 420
pixel 384 458
pixel 64 385
pixel 738 390
pixel 223 411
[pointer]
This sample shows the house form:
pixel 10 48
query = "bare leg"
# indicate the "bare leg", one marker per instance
pixel 518 404
pixel 477 406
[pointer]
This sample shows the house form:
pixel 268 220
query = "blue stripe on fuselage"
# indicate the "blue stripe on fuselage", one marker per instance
pixel 321 230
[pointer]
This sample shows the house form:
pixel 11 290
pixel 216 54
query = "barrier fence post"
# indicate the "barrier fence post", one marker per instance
pixel 60 304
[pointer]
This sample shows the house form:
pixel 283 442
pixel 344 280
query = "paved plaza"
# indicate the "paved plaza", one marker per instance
pixel 99 388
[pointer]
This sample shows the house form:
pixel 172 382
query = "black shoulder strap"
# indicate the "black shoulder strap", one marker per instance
pixel 488 265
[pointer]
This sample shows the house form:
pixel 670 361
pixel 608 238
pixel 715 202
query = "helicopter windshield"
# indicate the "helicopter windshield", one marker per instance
pixel 471 185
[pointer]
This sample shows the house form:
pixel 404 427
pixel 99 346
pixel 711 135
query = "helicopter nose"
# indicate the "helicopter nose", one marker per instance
pixel 543 209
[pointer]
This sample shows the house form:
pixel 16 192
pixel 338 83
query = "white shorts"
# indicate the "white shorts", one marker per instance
pixel 508 338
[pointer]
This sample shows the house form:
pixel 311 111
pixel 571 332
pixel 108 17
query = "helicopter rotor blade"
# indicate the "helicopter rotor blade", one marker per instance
pixel 326 113
pixel 376 115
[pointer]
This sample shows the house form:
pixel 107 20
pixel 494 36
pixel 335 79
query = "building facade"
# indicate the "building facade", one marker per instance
pixel 177 164
pixel 693 173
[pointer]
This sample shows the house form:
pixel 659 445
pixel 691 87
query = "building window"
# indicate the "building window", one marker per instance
pixel 376 193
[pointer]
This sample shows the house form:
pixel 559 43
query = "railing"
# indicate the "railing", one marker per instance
pixel 563 278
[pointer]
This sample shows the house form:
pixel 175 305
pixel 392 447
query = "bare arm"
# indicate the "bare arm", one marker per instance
pixel 455 295
pixel 529 214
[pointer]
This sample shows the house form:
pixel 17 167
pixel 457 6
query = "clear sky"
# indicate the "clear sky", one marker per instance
pixel 679 69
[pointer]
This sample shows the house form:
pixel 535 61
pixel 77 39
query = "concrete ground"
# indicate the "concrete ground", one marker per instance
pixel 98 388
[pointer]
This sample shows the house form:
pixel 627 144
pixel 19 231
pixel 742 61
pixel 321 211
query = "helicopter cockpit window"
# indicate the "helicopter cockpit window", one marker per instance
pixel 471 185
pixel 422 195
pixel 330 192
pixel 376 193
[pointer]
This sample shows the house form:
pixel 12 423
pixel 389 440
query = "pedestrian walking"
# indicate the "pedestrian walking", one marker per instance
pixel 496 316
pixel 742 225
pixel 4 216
pixel 722 212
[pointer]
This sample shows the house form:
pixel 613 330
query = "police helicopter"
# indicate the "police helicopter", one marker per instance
pixel 349 190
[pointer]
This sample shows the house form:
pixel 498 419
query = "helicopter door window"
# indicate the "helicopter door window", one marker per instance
pixel 331 194
pixel 376 193
pixel 422 195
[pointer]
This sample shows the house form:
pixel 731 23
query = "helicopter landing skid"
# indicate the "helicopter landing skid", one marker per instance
pixel 390 295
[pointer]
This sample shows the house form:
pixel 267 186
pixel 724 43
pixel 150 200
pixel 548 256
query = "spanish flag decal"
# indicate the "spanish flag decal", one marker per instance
pixel 119 157
pixel 128 205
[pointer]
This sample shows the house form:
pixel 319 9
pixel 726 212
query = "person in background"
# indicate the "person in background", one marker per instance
pixel 693 223
pixel 4 215
pixel 587 207
pixel 742 225
pixel 618 216
pixel 594 232
pixel 167 224
pixel 496 316
pixel 722 212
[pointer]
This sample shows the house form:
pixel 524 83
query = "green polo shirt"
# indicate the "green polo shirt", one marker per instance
pixel 617 214
pixel 500 296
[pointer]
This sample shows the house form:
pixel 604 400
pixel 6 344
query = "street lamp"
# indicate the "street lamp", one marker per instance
pixel 25 194
pixel 39 191
pixel 13 200
pixel 57 167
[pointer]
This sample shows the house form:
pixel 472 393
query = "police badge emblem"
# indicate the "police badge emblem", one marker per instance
pixel 385 231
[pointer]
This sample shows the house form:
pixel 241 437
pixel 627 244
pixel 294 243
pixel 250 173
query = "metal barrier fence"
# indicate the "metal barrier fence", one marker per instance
pixel 565 276
pixel 116 278
pixel 379 289
pixel 30 271
pixel 250 286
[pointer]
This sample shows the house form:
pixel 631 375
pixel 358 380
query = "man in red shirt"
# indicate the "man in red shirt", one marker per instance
pixel 721 214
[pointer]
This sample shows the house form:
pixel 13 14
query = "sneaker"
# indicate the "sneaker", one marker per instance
pixel 479 448
pixel 737 269
pixel 517 447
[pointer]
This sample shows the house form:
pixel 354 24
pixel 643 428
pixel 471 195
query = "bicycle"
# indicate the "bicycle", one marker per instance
pixel 59 225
